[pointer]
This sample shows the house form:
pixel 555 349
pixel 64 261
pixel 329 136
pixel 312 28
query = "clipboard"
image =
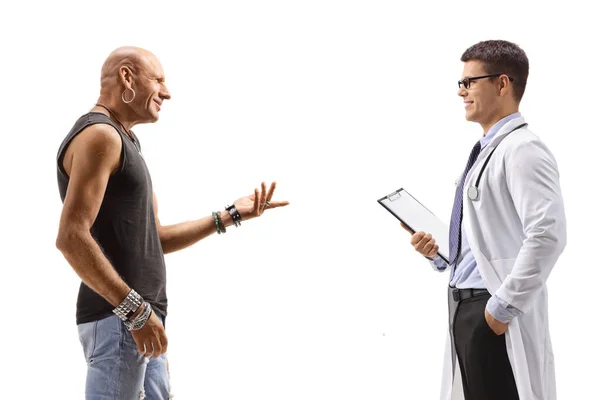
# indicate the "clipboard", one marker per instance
pixel 418 218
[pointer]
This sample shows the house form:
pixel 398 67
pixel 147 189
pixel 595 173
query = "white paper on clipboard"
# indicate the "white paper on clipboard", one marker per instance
pixel 418 218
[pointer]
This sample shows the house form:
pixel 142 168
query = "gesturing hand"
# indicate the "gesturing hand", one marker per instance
pixel 254 205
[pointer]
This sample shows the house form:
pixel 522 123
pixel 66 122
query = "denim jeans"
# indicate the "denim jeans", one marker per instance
pixel 116 371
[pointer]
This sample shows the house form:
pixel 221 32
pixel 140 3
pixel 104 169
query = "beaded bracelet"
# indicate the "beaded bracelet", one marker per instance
pixel 219 223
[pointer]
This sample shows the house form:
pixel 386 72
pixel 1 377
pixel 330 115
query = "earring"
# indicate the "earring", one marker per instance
pixel 123 96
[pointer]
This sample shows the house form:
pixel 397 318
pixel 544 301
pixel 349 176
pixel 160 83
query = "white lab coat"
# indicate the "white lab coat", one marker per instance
pixel 516 230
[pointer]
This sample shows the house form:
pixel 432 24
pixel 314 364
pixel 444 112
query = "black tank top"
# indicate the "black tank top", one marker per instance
pixel 125 227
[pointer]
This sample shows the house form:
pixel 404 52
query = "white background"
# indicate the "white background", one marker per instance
pixel 340 102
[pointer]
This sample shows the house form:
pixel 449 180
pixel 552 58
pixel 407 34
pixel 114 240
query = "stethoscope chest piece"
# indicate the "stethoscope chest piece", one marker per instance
pixel 473 193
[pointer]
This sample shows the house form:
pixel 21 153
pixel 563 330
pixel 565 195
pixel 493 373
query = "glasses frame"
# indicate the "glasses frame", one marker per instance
pixel 466 82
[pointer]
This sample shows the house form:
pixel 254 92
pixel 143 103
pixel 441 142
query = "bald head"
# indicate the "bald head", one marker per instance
pixel 133 86
pixel 134 58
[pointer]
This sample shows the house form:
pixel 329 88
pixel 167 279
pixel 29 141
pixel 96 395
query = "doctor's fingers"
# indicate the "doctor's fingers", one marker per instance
pixel 431 251
pixel 426 244
pixel 418 237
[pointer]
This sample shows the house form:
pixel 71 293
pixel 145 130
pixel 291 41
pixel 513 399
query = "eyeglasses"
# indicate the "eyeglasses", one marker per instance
pixel 467 81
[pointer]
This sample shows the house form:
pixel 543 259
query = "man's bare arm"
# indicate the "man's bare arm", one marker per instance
pixel 179 236
pixel 93 156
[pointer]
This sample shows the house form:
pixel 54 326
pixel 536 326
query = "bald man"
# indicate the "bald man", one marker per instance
pixel 110 232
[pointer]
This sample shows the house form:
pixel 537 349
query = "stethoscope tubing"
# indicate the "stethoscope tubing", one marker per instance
pixel 473 191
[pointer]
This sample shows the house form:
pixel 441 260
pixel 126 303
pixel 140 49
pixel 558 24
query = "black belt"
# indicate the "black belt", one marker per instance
pixel 462 294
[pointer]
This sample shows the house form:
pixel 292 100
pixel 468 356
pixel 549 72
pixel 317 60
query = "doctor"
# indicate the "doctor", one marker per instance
pixel 507 231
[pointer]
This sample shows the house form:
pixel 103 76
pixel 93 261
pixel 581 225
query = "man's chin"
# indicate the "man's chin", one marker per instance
pixel 153 118
pixel 470 117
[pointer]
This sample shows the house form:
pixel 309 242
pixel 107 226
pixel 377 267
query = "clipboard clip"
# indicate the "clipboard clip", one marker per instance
pixel 393 196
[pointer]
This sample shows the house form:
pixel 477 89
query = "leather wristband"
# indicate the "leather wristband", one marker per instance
pixel 235 215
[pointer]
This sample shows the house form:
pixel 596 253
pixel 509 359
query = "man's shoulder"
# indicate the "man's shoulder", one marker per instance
pixel 523 138
pixel 90 129
pixel 526 147
pixel 98 134
pixel 94 139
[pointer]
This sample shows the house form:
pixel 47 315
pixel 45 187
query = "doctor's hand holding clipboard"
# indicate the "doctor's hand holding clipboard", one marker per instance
pixel 422 242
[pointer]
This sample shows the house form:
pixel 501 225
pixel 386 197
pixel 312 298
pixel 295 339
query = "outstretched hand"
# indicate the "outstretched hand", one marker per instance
pixel 255 205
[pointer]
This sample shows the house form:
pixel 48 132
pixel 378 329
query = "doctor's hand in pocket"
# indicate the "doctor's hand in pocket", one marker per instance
pixel 423 243
pixel 498 327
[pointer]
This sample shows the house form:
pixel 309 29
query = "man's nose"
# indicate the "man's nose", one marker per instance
pixel 165 94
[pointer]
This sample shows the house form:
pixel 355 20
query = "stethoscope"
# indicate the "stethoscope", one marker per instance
pixel 473 191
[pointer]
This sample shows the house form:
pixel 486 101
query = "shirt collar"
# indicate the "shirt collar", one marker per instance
pixel 497 126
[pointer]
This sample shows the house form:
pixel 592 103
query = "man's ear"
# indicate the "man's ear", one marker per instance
pixel 126 76
pixel 504 85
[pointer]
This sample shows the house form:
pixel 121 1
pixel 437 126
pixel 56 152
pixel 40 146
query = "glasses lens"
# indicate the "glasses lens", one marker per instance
pixel 464 82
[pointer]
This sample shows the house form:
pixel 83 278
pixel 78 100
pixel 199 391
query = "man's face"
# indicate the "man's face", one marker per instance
pixel 151 89
pixel 482 98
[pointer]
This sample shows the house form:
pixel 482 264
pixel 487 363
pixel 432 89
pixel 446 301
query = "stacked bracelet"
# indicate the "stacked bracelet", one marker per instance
pixel 129 305
pixel 235 215
pixel 139 321
pixel 219 222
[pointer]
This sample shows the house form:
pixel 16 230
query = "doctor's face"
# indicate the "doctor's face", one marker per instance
pixel 480 96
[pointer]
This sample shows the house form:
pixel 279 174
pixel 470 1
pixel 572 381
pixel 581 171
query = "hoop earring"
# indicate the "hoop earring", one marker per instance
pixel 123 96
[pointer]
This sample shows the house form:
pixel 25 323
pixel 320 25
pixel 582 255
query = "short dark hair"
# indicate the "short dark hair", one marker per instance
pixel 501 57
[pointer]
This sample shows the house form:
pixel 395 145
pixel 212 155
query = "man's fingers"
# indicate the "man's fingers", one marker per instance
pixel 148 349
pixel 157 349
pixel 429 247
pixel 164 341
pixel 425 248
pixel 425 243
pixel 256 200
pixel 416 239
pixel 271 190
pixel 427 239
pixel 263 197
pixel 275 204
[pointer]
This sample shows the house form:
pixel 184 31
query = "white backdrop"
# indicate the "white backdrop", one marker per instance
pixel 340 102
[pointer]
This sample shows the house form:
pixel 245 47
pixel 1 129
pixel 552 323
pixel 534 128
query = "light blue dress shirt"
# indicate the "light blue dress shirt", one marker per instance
pixel 465 274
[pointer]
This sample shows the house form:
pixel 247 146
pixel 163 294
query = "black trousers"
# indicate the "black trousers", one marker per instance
pixel 484 365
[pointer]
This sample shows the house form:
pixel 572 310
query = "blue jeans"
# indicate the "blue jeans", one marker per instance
pixel 116 371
